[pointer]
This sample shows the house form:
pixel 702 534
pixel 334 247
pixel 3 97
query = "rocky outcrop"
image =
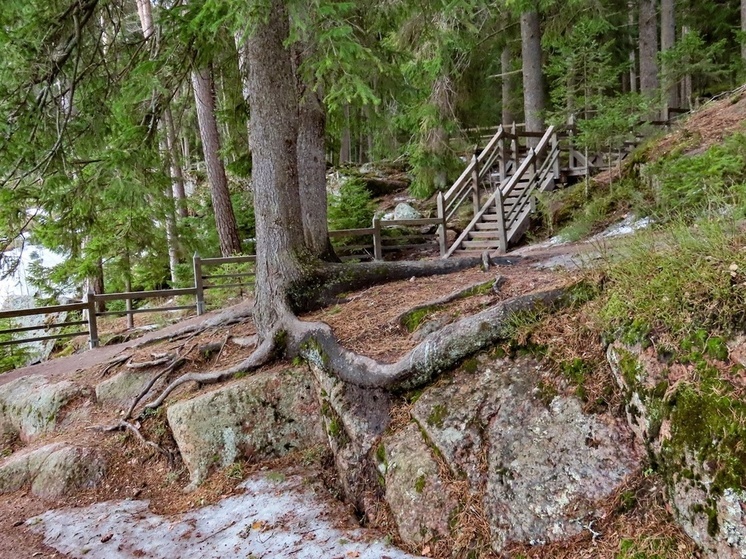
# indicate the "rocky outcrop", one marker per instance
pixel 419 498
pixel 31 406
pixel 262 416
pixel 694 433
pixel 539 468
pixel 52 471
pixel 120 390
pixel 354 419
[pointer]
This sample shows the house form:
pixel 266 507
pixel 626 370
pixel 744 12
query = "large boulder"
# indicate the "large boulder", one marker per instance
pixel 52 471
pixel 420 499
pixel 31 406
pixel 541 465
pixel 693 425
pixel 263 416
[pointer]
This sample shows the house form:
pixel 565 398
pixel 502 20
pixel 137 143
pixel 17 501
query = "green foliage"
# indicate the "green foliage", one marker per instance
pixel 649 548
pixel 708 183
pixel 352 207
pixel 12 356
pixel 692 55
pixel 688 279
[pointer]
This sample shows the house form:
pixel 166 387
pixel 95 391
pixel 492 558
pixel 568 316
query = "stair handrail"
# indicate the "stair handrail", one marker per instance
pixel 529 163
pixel 482 162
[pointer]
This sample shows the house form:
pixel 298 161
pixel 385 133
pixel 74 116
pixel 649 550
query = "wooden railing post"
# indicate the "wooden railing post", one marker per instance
pixel 501 232
pixel 199 284
pixel 515 147
pixel 556 154
pixel 442 226
pixel 503 160
pixel 377 246
pixel 92 325
pixel 475 185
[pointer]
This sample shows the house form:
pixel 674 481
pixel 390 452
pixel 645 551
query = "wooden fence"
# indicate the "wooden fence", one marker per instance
pixel 375 244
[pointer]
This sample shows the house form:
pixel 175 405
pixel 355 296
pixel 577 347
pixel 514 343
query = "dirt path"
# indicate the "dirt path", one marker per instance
pixel 63 366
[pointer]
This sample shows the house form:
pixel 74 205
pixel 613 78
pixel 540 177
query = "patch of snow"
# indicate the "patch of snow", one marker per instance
pixel 627 226
pixel 279 520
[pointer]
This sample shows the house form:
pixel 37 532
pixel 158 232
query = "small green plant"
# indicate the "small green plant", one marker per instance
pixel 352 207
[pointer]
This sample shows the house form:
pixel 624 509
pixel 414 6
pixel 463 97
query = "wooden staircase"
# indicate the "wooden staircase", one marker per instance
pixel 502 190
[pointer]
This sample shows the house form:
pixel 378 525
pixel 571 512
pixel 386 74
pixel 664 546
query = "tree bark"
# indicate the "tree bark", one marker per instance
pixel 345 148
pixel 508 86
pixel 632 54
pixel 311 150
pixel 177 173
pixel 648 23
pixel 225 220
pixel 534 96
pixel 668 40
pixel 743 29
pixel 280 246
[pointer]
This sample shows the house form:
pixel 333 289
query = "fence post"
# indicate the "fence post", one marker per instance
pixel 503 159
pixel 92 325
pixel 377 246
pixel 556 154
pixel 198 285
pixel 502 233
pixel 515 147
pixel 475 185
pixel 442 226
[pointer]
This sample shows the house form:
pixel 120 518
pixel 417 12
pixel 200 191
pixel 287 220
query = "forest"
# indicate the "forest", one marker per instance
pixel 125 130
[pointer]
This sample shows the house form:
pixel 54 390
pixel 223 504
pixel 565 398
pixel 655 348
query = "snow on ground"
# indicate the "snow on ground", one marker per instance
pixel 271 519
pixel 627 226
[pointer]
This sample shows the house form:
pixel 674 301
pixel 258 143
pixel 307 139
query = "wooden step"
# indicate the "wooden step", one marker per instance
pixel 487 226
pixel 483 234
pixel 484 245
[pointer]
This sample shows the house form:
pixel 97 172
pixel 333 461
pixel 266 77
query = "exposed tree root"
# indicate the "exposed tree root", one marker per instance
pixel 262 355
pixel 173 366
pixel 113 363
pixel 440 351
pixel 234 315
pixel 159 360
pixel 472 289
pixel 326 283
pixel 129 427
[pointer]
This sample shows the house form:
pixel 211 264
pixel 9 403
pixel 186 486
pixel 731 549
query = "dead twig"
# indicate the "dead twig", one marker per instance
pixel 154 363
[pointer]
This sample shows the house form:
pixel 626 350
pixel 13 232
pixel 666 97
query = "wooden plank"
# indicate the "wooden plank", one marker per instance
pixel 229 286
pixel 145 294
pixel 45 338
pixel 43 327
pixel 410 222
pixel 228 260
pixel 220 276
pixel 142 311
pixel 351 232
pixel 42 310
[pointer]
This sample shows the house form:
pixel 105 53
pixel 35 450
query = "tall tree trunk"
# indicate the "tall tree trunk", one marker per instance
pixel 632 54
pixel 668 40
pixel 648 48
pixel 177 173
pixel 743 29
pixel 508 86
pixel 311 150
pixel 145 11
pixel 534 96
pixel 345 148
pixel 686 83
pixel 274 132
pixel 225 220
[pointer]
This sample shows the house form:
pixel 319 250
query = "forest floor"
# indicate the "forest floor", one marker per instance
pixel 366 321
